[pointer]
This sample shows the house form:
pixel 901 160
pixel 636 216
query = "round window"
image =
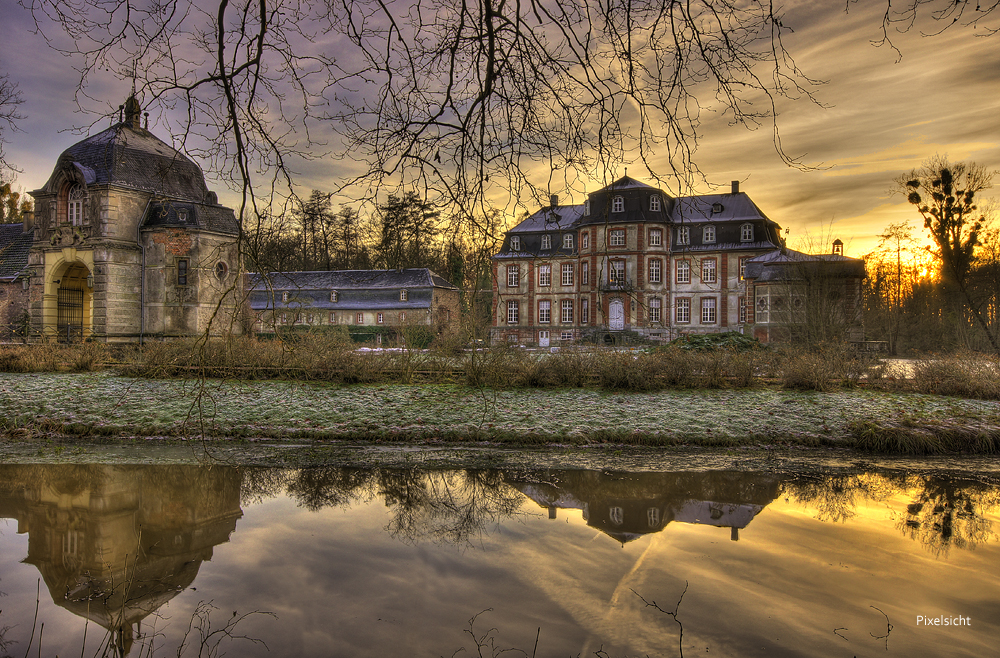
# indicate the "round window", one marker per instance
pixel 221 270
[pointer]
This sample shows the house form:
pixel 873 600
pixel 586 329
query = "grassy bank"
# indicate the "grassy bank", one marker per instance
pixel 104 406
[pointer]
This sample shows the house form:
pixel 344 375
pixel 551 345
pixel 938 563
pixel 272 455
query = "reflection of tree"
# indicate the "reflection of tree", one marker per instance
pixel 946 513
pixel 450 506
pixel 259 484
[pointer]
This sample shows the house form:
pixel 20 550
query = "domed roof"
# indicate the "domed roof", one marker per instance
pixel 131 156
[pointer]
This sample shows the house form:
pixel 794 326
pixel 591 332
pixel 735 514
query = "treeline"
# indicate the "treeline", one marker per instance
pixel 404 232
pixel 944 297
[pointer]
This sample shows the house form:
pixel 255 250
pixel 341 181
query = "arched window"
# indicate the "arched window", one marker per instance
pixel 74 205
pixel 586 207
pixel 618 204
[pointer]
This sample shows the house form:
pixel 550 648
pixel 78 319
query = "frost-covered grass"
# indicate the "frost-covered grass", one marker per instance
pixel 106 405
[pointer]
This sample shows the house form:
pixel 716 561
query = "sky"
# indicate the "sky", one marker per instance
pixel 882 112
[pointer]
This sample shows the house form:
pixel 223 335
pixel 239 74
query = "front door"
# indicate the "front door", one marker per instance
pixel 70 314
pixel 543 339
pixel 616 315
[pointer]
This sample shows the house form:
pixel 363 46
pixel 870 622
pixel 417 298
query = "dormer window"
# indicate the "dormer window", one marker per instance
pixel 546 242
pixel 717 208
pixel 182 215
pixel 284 296
pixel 708 235
pixel 568 241
pixel 654 203
pixel 515 243
pixel 74 205
pixel 334 296
pixel 404 295
pixel 586 207
pixel 746 233
pixel 618 204
pixel 683 235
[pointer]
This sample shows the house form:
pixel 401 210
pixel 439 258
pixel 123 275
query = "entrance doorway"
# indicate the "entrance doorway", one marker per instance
pixel 543 339
pixel 73 304
pixel 616 315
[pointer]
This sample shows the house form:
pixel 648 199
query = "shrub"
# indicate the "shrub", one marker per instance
pixel 966 374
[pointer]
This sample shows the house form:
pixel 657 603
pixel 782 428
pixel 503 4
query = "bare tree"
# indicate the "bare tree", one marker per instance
pixel 10 99
pixel 944 194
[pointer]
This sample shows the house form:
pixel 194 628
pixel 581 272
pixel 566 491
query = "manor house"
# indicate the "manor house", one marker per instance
pixel 632 260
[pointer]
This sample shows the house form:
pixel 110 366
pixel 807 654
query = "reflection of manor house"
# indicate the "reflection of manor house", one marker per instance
pixel 627 506
pixel 92 529
pixel 129 242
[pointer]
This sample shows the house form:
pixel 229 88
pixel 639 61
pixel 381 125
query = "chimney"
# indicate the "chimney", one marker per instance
pixel 736 187
pixel 554 200
pixel 28 217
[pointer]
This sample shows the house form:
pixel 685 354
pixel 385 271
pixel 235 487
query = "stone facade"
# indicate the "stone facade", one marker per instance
pixel 130 244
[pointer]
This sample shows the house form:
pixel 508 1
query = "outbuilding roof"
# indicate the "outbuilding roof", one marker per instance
pixel 15 244
pixel 349 280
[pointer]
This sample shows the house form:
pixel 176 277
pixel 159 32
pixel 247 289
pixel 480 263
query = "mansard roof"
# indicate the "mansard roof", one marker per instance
pixel 781 265
pixel 551 218
pixel 169 213
pixel 717 208
pixel 358 290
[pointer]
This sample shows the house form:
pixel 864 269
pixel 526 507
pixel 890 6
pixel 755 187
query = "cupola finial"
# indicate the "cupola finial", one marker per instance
pixel 133 113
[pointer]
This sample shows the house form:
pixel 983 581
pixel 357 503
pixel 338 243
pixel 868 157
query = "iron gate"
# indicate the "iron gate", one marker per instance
pixel 70 314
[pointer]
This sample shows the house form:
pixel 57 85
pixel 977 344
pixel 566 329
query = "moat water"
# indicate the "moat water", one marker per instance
pixel 389 562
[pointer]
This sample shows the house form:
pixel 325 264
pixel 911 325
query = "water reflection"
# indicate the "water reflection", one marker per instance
pixel 627 506
pixel 113 544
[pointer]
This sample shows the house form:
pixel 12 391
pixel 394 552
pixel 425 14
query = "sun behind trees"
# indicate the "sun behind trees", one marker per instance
pixel 960 307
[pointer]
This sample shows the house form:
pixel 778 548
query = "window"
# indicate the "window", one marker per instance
pixel 74 205
pixel 333 318
pixel 513 311
pixel 586 207
pixel 298 318
pixel 566 335
pixel 585 240
pixel 182 276
pixel 402 316
pixel 361 318
pixel 617 515
pixel 182 215
pixel 616 272
pixel 655 237
pixel 310 319
pixel 513 276
pixel 653 517
pixel 746 233
pixel 684 235
pixel 743 268
pixel 655 270
pixel 682 312
pixel 515 243
pixel 708 271
pixel 617 237
pixel 544 312
pixel 585 273
pixel 284 293
pixel 284 318
pixel 683 271
pixel 568 241
pixel 567 274
pixel 380 318
pixel 546 242
pixel 742 303
pixel 567 311
pixel 618 204
pixel 717 208
pixel 654 203
pixel 708 235
pixel 654 309
pixel 334 296
pixel 708 310
pixel 545 275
